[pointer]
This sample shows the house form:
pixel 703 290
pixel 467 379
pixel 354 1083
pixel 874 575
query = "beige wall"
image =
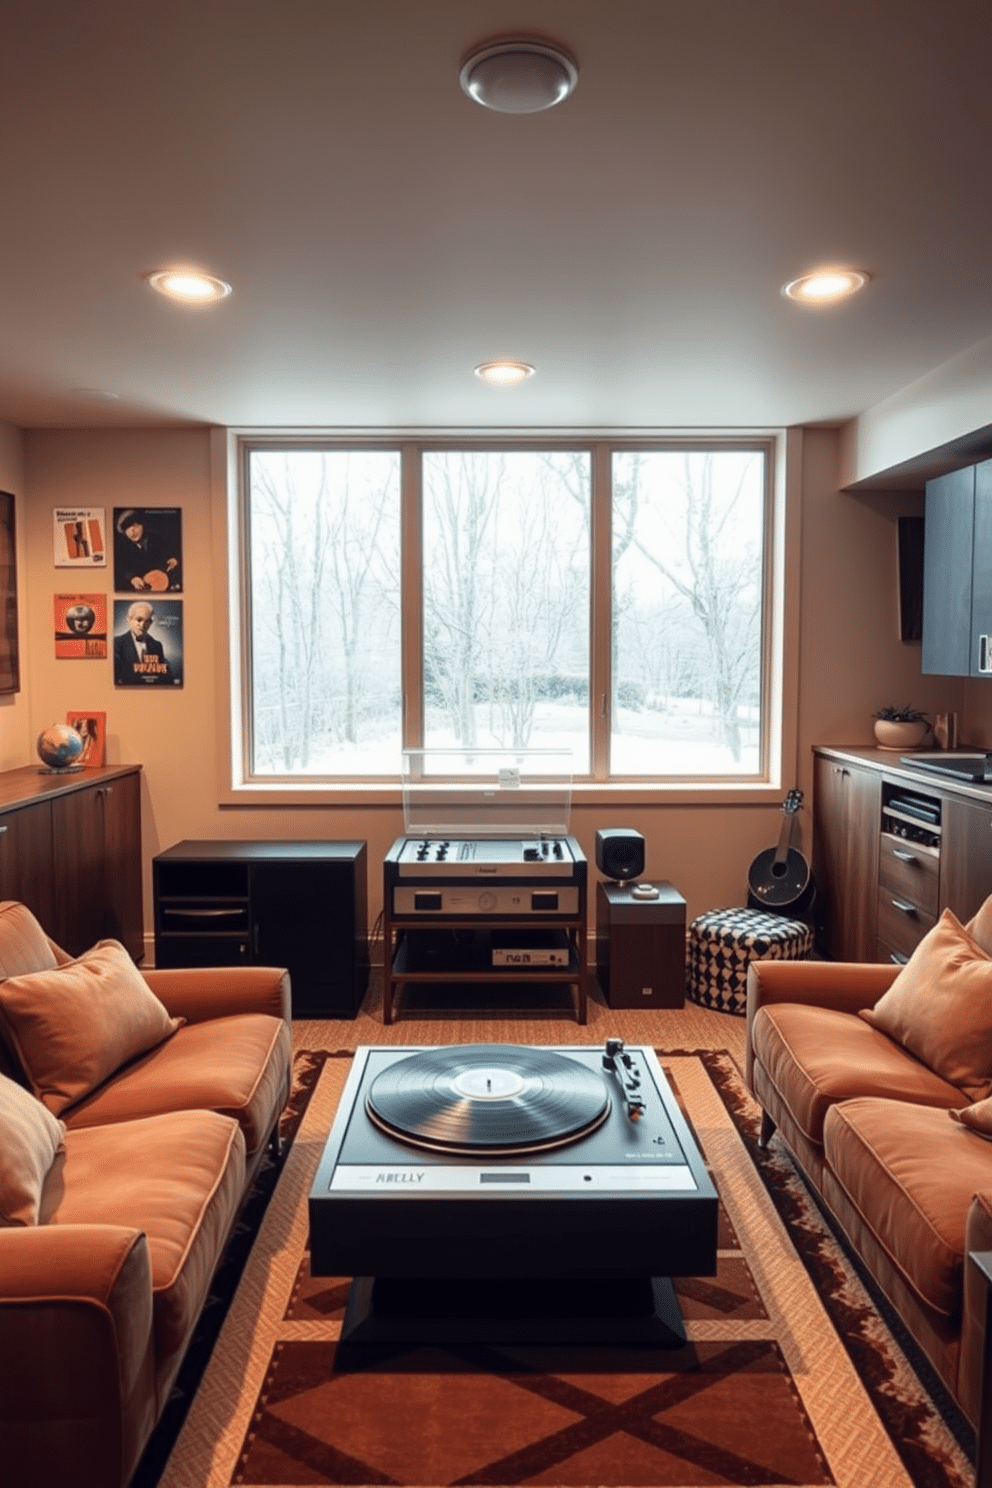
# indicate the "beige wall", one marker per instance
pixel 851 662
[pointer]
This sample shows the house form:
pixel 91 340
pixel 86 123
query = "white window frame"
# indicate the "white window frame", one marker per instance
pixel 780 648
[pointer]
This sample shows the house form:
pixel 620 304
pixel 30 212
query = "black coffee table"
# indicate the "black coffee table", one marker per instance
pixel 573 1244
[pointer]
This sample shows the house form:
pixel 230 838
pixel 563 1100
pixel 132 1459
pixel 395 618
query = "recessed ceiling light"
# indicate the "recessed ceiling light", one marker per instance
pixel 824 286
pixel 188 286
pixel 504 373
pixel 518 75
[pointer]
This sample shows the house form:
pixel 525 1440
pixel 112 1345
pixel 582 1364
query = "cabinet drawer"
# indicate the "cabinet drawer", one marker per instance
pixel 890 957
pixel 202 916
pixel 909 871
pixel 901 924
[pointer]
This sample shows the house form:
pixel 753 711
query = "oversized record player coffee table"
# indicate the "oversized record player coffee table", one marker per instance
pixel 507 1194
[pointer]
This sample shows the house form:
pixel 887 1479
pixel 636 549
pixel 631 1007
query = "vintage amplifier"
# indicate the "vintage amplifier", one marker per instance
pixel 485 876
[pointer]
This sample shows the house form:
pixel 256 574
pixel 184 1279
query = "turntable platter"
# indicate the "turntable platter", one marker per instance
pixel 496 1099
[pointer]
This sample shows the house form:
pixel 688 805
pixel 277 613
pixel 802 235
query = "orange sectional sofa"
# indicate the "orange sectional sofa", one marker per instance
pixel 879 1079
pixel 135 1110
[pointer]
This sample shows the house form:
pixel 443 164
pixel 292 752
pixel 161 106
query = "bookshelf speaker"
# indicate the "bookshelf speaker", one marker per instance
pixel 619 852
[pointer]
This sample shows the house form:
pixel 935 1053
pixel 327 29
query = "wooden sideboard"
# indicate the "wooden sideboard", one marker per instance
pixel 70 849
pixel 885 873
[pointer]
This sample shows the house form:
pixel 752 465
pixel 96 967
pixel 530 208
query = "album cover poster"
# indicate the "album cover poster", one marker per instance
pixel 91 727
pixel 148 549
pixel 80 626
pixel 148 642
pixel 80 537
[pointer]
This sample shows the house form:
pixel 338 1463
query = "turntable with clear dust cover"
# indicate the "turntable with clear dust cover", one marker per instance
pixel 484 897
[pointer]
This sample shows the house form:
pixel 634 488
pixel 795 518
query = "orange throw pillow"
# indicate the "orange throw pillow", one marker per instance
pixel 940 1007
pixel 30 1138
pixel 73 1026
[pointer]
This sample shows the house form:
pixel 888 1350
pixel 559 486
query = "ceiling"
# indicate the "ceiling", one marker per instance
pixel 383 234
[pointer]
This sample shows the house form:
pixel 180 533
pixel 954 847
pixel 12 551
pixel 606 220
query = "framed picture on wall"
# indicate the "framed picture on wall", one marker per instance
pixel 10 670
pixel 148 642
pixel 148 549
pixel 80 626
pixel 91 726
pixel 80 537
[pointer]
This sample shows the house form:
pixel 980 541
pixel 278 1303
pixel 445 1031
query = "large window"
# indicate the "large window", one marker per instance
pixel 608 598
pixel 688 562
pixel 323 529
pixel 506 600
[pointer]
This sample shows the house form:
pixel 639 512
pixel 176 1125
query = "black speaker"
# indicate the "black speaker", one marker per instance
pixel 619 852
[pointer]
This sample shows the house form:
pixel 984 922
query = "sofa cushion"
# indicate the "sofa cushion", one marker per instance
pixel 816 1056
pixel 940 1007
pixel 234 1065
pixel 73 1025
pixel 977 1117
pixel 30 1138
pixel 179 1178
pixel 910 1174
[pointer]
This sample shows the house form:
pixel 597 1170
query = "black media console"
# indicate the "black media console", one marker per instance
pixel 302 905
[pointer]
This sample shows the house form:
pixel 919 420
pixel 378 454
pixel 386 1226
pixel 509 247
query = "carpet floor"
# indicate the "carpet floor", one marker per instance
pixel 791 1374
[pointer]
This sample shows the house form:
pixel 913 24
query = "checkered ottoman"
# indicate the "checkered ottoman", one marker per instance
pixel 723 943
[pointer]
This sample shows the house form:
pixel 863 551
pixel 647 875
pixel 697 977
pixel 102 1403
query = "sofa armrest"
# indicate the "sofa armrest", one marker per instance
pixel 974 1343
pixel 844 986
pixel 199 993
pixel 77 1363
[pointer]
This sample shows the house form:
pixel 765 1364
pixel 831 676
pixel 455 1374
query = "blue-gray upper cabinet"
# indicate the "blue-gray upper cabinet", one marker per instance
pixel 957 574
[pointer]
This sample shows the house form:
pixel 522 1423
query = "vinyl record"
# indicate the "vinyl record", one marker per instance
pixel 488 1099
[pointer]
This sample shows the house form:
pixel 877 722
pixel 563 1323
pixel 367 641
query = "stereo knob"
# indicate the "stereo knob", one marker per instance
pixel 487 900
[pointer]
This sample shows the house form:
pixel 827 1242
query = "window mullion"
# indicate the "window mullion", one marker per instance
pixel 600 617
pixel 412 596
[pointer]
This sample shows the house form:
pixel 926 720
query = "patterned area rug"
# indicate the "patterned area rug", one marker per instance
pixel 768 1389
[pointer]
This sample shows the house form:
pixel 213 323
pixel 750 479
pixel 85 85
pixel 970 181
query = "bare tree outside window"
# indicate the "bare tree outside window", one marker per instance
pixel 688 555
pixel 506 600
pixel 492 641
pixel 325 626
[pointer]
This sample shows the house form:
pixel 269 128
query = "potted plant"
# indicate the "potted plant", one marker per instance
pixel 900 728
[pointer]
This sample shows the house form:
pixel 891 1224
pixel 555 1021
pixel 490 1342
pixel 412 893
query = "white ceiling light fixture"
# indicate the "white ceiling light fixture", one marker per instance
pixel 188 286
pixel 504 373
pixel 825 286
pixel 518 75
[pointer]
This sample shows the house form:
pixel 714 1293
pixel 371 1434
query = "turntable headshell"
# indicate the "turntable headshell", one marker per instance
pixel 628 1076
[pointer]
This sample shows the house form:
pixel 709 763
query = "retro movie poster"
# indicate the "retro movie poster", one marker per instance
pixel 80 626
pixel 80 537
pixel 148 549
pixel 148 642
pixel 91 727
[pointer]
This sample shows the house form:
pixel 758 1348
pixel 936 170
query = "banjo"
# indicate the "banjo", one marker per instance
pixel 779 878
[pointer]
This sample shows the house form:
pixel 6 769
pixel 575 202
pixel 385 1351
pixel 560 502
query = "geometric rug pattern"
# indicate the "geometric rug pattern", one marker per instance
pixel 764 1392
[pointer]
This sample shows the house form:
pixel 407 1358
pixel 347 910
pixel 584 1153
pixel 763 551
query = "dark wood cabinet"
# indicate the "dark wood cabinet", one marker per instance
pixel 966 856
pixel 846 812
pixel 26 867
pixel 893 846
pixel 70 849
pixel 957 573
pixel 302 905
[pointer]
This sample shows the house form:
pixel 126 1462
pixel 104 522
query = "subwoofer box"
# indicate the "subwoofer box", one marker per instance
pixel 640 947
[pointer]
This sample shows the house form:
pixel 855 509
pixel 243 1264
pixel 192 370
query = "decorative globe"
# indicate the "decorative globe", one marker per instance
pixel 59 746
